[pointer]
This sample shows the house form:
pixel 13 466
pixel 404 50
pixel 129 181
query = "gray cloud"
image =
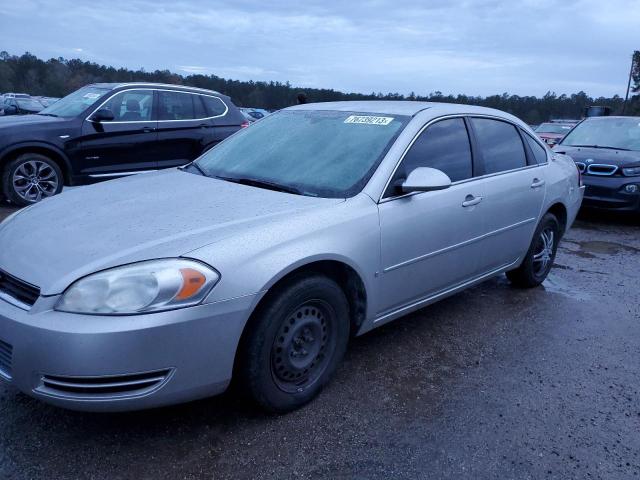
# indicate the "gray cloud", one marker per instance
pixel 456 46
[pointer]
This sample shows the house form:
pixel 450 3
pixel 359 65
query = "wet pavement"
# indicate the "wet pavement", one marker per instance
pixel 492 383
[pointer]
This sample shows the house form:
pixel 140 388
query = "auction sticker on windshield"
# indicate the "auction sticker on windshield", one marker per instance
pixel 369 120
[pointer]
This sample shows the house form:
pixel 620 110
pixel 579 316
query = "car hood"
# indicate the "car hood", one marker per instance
pixel 21 120
pixel 154 215
pixel 620 158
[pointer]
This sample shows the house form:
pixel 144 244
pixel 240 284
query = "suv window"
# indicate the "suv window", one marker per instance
pixel 539 152
pixel 175 106
pixel 501 145
pixel 443 145
pixel 131 105
pixel 214 106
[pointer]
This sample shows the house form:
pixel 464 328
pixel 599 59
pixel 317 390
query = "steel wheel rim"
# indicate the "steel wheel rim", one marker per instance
pixel 544 251
pixel 34 180
pixel 303 346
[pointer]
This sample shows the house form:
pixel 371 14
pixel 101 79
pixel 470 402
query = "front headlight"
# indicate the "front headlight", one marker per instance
pixel 149 286
pixel 631 171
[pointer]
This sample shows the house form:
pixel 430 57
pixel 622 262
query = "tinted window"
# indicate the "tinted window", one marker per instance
pixel 539 152
pixel 500 144
pixel 214 106
pixel 131 105
pixel 198 107
pixel 175 106
pixel 445 146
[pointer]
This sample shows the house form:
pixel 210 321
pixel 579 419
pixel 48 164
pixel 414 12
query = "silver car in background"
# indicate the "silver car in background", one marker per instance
pixel 259 260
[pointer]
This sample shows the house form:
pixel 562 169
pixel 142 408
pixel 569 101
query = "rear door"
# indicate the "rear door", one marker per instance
pixel 428 239
pixel 513 189
pixel 125 144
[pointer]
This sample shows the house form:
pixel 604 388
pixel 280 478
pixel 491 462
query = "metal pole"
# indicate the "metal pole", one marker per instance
pixel 626 98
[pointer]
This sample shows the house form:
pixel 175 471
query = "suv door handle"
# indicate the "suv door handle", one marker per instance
pixel 470 201
pixel 148 129
pixel 537 183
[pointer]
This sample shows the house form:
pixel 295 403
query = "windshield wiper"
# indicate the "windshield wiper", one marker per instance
pixel 252 182
pixel 47 114
pixel 599 146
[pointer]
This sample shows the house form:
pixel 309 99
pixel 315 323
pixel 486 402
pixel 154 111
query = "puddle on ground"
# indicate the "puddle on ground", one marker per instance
pixel 590 247
pixel 555 284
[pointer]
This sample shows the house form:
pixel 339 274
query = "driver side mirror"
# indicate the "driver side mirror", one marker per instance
pixel 425 179
pixel 10 110
pixel 103 115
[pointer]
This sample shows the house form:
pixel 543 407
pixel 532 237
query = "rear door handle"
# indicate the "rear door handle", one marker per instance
pixel 537 183
pixel 148 129
pixel 470 201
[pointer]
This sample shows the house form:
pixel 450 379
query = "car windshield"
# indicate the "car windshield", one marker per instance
pixel 318 153
pixel 620 133
pixel 75 103
pixel 553 128
pixel 30 104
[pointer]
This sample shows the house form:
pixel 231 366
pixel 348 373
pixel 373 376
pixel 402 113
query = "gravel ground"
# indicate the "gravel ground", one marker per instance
pixel 491 383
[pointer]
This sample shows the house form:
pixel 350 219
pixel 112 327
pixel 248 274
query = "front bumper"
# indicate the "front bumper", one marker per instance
pixel 608 193
pixel 117 363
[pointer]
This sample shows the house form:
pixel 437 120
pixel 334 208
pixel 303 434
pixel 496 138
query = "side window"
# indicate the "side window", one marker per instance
pixel 500 144
pixel 131 106
pixel 539 152
pixel 198 107
pixel 175 106
pixel 443 145
pixel 214 106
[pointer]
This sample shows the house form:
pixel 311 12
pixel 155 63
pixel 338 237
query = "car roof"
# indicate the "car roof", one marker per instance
pixel 403 107
pixel 113 86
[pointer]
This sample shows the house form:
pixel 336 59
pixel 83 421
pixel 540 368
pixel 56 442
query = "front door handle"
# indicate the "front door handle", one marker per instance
pixel 537 183
pixel 148 129
pixel 470 201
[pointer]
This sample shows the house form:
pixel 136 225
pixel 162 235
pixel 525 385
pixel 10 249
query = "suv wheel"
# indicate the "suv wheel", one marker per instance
pixel 541 255
pixel 295 343
pixel 31 177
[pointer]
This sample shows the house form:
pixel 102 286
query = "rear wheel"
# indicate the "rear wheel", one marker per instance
pixel 30 178
pixel 294 343
pixel 541 255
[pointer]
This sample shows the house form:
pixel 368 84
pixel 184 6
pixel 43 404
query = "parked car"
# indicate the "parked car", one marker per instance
pixel 253 114
pixel 552 132
pixel 110 130
pixel 21 106
pixel 262 257
pixel 607 152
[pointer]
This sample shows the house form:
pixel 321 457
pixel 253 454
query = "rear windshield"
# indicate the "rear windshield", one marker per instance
pixel 319 153
pixel 553 128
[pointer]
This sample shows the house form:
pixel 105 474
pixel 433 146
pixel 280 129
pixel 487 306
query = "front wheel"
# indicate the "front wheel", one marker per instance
pixel 540 256
pixel 294 343
pixel 30 178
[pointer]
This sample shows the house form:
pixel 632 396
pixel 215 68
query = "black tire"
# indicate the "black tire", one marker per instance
pixel 540 256
pixel 294 343
pixel 43 179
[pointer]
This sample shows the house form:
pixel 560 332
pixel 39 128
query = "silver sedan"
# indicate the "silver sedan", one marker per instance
pixel 259 260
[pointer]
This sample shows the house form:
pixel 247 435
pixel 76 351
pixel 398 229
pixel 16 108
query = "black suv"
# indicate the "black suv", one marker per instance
pixel 109 130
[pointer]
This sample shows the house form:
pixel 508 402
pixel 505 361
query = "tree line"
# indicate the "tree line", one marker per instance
pixel 57 77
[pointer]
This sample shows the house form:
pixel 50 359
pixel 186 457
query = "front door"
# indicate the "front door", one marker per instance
pixel 124 145
pixel 429 240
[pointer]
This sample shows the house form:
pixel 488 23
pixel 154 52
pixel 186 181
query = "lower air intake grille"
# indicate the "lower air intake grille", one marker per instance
pixel 103 387
pixel 6 352
pixel 12 289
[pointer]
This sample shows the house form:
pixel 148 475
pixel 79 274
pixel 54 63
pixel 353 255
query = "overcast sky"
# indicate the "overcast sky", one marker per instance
pixel 477 47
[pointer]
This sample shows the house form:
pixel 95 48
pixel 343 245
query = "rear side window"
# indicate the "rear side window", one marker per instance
pixel 443 145
pixel 214 106
pixel 500 144
pixel 539 152
pixel 175 106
